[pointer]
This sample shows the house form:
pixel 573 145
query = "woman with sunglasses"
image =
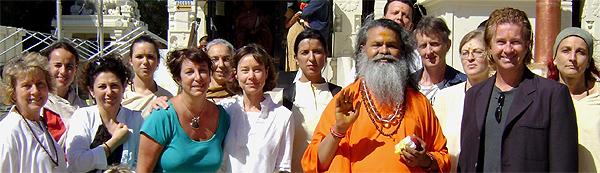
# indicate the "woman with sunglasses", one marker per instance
pixel 26 145
pixel 106 133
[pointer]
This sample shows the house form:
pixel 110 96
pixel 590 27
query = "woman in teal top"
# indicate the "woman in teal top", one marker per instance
pixel 188 135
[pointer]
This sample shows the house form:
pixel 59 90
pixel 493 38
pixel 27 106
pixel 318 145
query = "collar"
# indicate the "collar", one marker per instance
pixel 453 76
pixel 265 105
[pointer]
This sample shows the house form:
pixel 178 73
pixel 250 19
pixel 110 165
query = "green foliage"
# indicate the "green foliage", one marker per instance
pixel 33 15
pixel 155 14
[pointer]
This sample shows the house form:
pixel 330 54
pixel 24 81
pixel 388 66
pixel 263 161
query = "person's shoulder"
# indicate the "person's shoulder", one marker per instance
pixel 280 109
pixel 222 111
pixel 480 86
pixel 11 129
pixel 160 91
pixel 10 122
pixel 85 111
pixel 162 113
pixel 451 91
pixel 545 83
pixel 132 113
pixel 228 102
pixel 415 97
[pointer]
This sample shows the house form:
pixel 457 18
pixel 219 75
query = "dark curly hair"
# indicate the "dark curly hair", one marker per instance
pixel 176 57
pixel 263 58
pixel 108 63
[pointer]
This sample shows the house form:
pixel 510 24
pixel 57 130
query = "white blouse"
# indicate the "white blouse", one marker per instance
pixel 448 108
pixel 258 141
pixel 81 133
pixel 309 102
pixel 21 152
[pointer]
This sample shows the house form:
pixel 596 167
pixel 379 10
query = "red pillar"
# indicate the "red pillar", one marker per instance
pixel 547 26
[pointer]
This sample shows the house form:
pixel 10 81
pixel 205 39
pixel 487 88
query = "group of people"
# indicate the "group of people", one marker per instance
pixel 222 119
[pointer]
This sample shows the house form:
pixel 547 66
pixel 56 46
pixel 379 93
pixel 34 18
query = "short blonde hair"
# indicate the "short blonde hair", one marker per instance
pixel 28 64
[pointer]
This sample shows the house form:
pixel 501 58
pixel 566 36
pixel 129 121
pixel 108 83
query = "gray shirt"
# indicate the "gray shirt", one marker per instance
pixel 494 129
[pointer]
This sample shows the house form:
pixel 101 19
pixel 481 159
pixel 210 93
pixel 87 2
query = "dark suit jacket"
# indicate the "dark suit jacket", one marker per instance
pixel 540 133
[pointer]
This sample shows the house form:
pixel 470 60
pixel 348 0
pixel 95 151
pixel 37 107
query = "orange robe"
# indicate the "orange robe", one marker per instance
pixel 365 149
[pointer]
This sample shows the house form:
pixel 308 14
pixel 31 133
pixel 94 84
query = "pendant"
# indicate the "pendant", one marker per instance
pixel 194 124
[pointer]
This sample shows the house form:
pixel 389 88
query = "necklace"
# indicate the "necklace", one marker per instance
pixel 195 120
pixel 394 119
pixel 55 161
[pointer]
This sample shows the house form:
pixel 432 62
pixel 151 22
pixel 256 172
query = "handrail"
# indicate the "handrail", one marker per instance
pixel 11 35
pixel 87 49
pixel 124 40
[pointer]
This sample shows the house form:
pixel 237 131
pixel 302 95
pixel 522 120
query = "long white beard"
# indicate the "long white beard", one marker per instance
pixel 385 80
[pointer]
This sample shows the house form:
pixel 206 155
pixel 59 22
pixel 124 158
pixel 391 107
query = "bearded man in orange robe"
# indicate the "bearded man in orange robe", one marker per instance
pixel 360 128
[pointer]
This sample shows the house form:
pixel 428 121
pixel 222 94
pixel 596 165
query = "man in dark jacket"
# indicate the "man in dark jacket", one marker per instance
pixel 516 121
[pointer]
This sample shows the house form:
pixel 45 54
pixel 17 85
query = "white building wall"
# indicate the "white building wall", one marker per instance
pixel 590 21
pixel 9 42
pixel 181 15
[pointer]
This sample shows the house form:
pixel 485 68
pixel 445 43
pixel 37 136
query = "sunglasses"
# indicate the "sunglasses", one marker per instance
pixel 499 108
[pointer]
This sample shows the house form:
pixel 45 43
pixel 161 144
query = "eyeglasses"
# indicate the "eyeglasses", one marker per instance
pixel 477 53
pixel 499 108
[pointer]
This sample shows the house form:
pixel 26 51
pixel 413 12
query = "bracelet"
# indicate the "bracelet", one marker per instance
pixel 337 134
pixel 106 145
pixel 431 159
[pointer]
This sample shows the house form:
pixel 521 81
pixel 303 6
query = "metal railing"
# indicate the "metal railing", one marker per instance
pixel 86 49
pixel 121 45
pixel 36 40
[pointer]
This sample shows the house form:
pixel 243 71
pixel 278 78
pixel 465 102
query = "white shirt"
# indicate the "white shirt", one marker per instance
pixel 21 152
pixel 64 108
pixel 258 142
pixel 448 107
pixel 431 91
pixel 81 133
pixel 309 102
pixel 588 127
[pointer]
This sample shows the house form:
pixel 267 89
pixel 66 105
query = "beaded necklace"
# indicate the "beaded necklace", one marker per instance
pixel 394 119
pixel 46 133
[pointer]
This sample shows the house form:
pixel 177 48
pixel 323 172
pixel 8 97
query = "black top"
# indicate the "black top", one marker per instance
pixel 102 135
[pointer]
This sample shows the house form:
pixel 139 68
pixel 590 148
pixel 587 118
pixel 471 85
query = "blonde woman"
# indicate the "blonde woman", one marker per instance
pixel 26 145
